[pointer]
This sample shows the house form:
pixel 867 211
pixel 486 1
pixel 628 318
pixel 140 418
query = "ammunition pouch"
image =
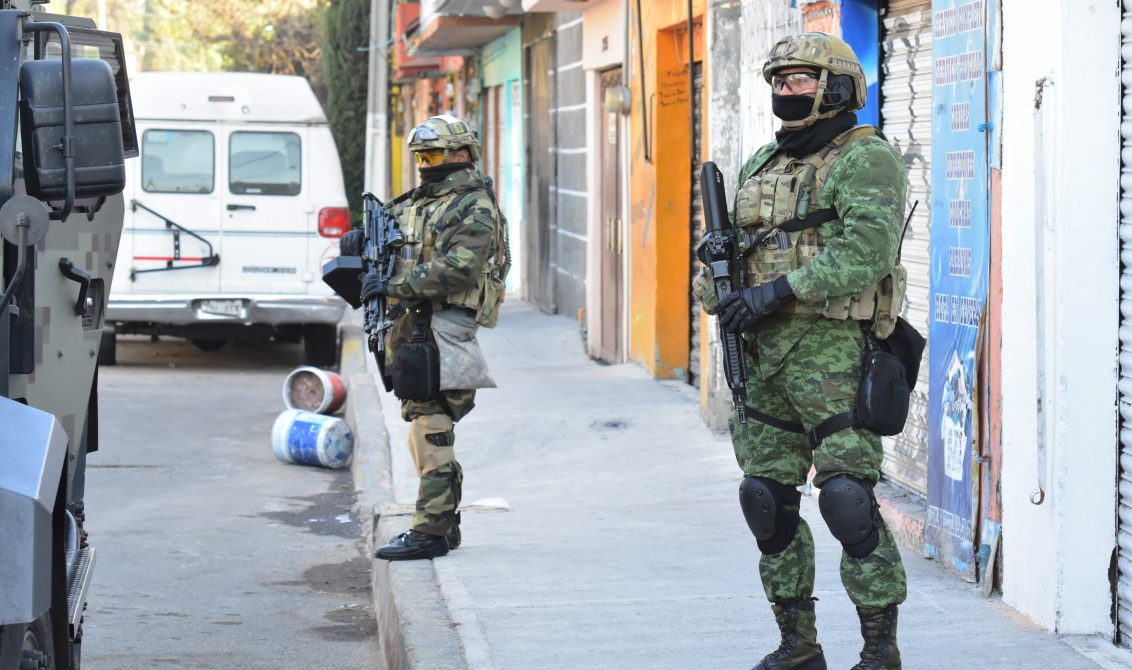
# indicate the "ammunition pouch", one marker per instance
pixel 879 304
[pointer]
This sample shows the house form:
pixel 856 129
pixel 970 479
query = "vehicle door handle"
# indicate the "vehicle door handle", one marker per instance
pixel 81 277
pixel 232 208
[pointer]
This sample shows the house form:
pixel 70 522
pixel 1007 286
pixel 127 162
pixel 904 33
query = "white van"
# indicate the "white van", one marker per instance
pixel 235 205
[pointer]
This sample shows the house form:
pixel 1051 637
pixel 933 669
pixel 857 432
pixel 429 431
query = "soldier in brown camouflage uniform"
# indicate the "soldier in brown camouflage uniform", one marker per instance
pixel 449 277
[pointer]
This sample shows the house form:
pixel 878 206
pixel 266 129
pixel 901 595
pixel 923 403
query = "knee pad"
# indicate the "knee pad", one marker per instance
pixel 849 508
pixel 764 502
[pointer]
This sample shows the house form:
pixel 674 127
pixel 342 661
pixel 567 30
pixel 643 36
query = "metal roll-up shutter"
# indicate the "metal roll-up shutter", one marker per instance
pixel 697 222
pixel 1124 532
pixel 538 278
pixel 906 118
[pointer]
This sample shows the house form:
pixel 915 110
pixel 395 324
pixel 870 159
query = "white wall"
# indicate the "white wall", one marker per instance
pixel 1056 555
pixel 739 38
pixel 603 47
pixel 603 30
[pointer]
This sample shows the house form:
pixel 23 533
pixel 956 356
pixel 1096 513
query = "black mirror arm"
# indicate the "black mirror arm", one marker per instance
pixel 68 112
pixel 21 266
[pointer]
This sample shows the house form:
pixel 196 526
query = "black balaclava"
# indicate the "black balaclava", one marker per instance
pixel 837 95
pixel 438 173
pixel 791 107
pixel 808 140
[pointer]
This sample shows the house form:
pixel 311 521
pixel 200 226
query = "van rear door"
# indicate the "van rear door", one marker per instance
pixel 267 223
pixel 177 179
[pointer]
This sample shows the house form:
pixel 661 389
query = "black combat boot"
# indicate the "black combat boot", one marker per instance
pixel 411 545
pixel 799 649
pixel 453 535
pixel 878 627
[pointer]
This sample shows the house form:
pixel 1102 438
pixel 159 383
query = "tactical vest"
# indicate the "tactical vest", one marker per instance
pixel 418 226
pixel 776 213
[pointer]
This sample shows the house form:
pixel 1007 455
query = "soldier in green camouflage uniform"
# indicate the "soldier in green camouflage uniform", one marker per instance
pixel 449 278
pixel 811 292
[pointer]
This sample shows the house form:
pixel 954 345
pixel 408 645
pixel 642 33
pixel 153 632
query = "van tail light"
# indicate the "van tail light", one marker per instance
pixel 333 221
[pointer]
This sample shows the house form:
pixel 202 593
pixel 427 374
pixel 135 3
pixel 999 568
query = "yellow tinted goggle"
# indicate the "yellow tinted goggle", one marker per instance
pixel 429 157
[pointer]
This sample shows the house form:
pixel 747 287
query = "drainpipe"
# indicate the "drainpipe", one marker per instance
pixel 641 74
pixel 377 117
pixel 692 85
pixel 625 45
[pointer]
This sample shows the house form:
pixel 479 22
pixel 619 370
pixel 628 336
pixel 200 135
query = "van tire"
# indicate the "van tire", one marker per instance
pixel 320 344
pixel 108 348
pixel 209 344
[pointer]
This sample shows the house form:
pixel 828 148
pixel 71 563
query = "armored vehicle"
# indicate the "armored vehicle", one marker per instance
pixel 65 132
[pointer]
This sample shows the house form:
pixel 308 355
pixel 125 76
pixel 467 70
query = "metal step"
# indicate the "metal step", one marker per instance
pixel 78 582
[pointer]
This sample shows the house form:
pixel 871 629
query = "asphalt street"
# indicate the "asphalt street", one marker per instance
pixel 211 553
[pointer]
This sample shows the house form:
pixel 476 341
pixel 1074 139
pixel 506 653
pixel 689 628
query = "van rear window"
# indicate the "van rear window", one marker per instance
pixel 178 161
pixel 265 163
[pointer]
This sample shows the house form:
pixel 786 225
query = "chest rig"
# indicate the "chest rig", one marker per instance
pixel 777 213
pixel 421 222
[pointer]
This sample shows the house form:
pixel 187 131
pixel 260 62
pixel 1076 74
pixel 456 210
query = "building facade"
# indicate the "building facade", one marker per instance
pixel 1015 466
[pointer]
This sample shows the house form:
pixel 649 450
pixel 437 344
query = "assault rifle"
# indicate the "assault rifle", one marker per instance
pixel 383 241
pixel 720 252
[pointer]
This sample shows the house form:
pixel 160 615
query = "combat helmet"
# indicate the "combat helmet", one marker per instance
pixel 841 85
pixel 444 132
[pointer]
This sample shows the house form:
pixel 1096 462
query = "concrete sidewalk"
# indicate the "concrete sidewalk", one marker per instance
pixel 602 530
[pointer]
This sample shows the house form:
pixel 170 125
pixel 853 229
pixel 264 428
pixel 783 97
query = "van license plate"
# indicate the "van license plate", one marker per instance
pixel 222 307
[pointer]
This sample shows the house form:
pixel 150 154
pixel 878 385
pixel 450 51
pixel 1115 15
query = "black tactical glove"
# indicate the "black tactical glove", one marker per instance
pixel 741 310
pixel 353 243
pixel 372 287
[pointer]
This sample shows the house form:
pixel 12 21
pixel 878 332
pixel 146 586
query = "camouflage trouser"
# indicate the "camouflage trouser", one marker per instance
pixel 817 380
pixel 431 442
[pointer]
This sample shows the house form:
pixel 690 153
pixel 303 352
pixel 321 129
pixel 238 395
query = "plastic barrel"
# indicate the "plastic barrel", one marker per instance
pixel 307 438
pixel 313 390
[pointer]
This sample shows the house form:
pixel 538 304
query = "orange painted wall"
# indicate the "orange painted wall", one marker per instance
pixel 660 189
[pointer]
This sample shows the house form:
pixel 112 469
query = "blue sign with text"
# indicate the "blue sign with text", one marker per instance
pixel 960 250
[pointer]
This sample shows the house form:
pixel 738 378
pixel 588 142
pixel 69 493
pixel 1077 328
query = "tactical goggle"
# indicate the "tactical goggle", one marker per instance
pixel 795 80
pixel 429 157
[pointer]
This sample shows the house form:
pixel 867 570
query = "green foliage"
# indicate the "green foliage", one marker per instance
pixel 345 61
pixel 274 36
pixel 322 40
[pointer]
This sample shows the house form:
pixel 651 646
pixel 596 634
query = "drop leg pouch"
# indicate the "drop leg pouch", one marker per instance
pixel 883 396
pixel 415 370
pixel 889 369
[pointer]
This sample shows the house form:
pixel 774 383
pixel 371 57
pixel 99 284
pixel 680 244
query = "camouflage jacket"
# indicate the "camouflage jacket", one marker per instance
pixel 448 228
pixel 867 185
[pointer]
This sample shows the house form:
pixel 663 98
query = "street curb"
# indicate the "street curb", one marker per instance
pixel 904 513
pixel 414 626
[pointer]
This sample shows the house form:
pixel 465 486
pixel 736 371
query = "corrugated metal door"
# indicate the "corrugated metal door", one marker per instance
pixel 538 276
pixel 906 118
pixel 1124 533
pixel 697 220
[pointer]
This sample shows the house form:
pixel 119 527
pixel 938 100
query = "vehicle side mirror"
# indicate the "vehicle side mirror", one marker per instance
pixel 96 129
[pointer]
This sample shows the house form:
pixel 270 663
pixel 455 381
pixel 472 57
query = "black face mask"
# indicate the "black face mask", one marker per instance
pixel 791 107
pixel 438 173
